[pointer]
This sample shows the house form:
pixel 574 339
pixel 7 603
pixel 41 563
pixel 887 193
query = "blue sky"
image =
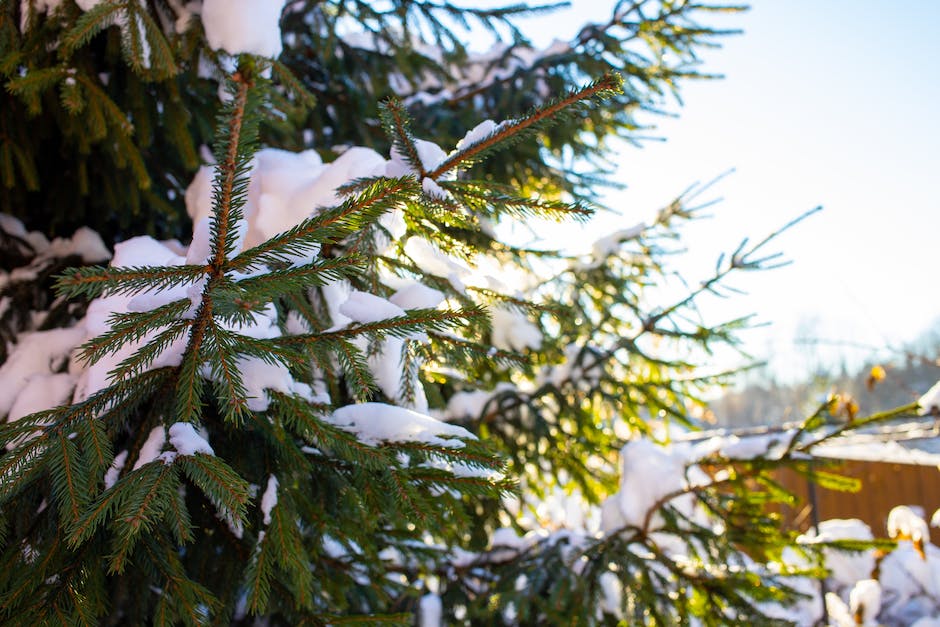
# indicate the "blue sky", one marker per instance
pixel 828 103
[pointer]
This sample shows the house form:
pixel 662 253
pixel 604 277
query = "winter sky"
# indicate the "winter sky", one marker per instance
pixel 827 103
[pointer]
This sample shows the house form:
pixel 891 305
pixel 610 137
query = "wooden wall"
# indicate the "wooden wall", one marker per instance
pixel 884 486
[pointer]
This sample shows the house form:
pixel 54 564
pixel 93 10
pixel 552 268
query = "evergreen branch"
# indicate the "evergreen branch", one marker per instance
pixel 143 507
pixel 20 466
pixel 389 620
pixel 415 320
pixel 609 84
pixel 228 172
pixel 270 351
pixel 351 360
pixel 223 361
pixel 300 416
pixel 353 214
pixel 35 82
pixel 289 551
pixel 219 482
pixel 144 356
pixel 476 351
pixel 110 112
pixel 229 188
pixel 179 520
pixel 89 24
pixel 131 327
pixel 482 194
pixel 258 576
pixel 742 259
pixel 189 381
pixel 95 441
pixel 297 278
pixel 397 125
pixel 162 63
pixel 96 281
pixel 289 79
pixel 82 528
pixel 67 479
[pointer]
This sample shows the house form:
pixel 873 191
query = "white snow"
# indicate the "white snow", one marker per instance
pixel 846 567
pixel 365 308
pixel 244 26
pixel 417 296
pixel 768 446
pixel 432 260
pixel 513 331
pixel 269 499
pixel 114 471
pixel 374 423
pixel 907 522
pixel 865 601
pixel 430 611
pixel 639 461
pixel 479 132
pixel 41 392
pixel 259 376
pixel 152 447
pixel 469 405
pixel 187 441
pixel 611 594
pixel 930 401
pixel 37 353
pixel 285 188
pixel 429 154
pixel 608 245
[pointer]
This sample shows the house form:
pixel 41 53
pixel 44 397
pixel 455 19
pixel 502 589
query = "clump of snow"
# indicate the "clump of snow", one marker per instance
pixel 269 499
pixel 430 611
pixel 845 567
pixel 429 154
pixel 930 401
pixel 417 296
pixel 36 354
pixel 767 446
pixel 640 460
pixel 432 260
pixel 285 188
pixel 386 362
pixel 137 251
pixel 611 595
pixel 244 26
pixel 469 405
pixel 513 331
pixel 258 376
pixel 41 392
pixel 186 441
pixel 907 523
pixel 114 470
pixel 365 308
pixel 374 423
pixel 865 601
pixel 152 447
pixel 862 608
pixel 608 245
pixel 479 132
pixel 84 243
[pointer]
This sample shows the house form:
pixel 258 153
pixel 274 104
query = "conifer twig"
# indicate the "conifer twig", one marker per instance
pixel 608 83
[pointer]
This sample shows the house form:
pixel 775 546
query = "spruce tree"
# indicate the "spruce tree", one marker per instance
pixel 331 406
